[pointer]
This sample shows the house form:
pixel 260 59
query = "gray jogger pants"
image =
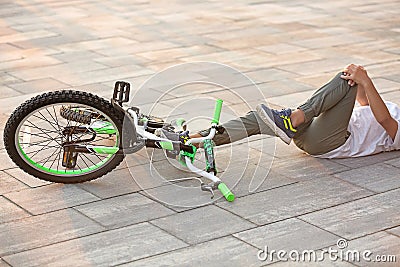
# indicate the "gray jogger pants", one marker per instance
pixel 327 115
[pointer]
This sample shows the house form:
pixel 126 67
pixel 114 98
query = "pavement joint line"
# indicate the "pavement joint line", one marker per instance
pixel 91 219
pixel 167 232
pixel 385 162
pixel 202 242
pixel 355 185
pixel 63 241
pixel 29 187
pixel 317 210
pixel 19 206
pixel 173 250
pixel 319 227
pixel 391 233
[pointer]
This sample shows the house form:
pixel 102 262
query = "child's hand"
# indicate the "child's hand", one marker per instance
pixel 356 74
pixel 350 82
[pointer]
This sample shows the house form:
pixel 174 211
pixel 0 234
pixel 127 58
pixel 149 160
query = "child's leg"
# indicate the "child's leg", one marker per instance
pixel 240 128
pixel 327 115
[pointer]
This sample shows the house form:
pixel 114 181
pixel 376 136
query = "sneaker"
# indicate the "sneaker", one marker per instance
pixel 279 121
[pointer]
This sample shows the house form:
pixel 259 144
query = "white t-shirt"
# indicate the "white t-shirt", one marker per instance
pixel 367 137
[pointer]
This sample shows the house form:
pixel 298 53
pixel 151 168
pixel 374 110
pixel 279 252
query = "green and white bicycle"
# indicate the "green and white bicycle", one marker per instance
pixel 72 137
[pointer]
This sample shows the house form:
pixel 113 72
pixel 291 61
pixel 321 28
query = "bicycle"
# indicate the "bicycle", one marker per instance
pixel 73 136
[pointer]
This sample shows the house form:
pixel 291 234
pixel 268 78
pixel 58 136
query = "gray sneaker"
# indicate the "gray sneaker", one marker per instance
pixel 279 121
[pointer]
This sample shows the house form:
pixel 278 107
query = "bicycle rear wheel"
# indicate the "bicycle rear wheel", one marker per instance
pixel 40 131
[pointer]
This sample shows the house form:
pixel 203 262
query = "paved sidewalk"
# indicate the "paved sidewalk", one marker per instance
pixel 288 48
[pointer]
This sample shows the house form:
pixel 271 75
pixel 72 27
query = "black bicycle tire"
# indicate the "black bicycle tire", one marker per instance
pixel 59 97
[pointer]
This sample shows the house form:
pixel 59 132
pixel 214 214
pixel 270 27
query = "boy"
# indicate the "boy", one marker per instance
pixel 327 125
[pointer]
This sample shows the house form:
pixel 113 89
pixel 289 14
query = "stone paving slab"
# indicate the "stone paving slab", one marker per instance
pixel 3 264
pixel 395 231
pixel 381 244
pixel 226 251
pixel 118 182
pixel 368 160
pixel 377 178
pixel 104 249
pixel 9 211
pixel 293 200
pixel 353 219
pixel 123 210
pixel 291 234
pixel 49 228
pixel 25 178
pixel 9 184
pixel 50 198
pixel 187 225
pixel 326 263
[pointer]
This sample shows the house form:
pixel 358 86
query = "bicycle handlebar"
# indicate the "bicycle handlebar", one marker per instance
pixel 226 192
pixel 217 111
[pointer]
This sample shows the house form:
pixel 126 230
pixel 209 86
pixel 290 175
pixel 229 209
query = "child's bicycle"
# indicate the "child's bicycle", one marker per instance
pixel 73 137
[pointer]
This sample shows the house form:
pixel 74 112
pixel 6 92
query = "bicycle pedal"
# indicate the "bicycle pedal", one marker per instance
pixel 121 92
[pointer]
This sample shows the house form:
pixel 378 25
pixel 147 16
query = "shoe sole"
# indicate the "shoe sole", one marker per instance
pixel 278 131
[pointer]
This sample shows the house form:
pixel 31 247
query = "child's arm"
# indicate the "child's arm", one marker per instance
pixel 381 113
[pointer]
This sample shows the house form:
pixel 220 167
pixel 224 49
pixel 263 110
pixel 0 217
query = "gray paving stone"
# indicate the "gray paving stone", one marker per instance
pixel 379 244
pixel 282 87
pixel 124 210
pixel 368 160
pixel 323 65
pixel 287 235
pixel 6 162
pixel 9 211
pixel 188 225
pixel 226 251
pixel 377 178
pixel 9 184
pixel 3 264
pixel 292 100
pixel 283 235
pixel 50 198
pixel 103 249
pixel 252 178
pixel 303 167
pixel 29 62
pixel 359 217
pixel 26 36
pixel 8 105
pixel 55 71
pixel 117 182
pixel 46 229
pixel 77 56
pixel 288 48
pixel 8 92
pixel 104 75
pixel 394 162
pixel 293 200
pixel 395 231
pixel 39 86
pixel 25 178
pixel 240 155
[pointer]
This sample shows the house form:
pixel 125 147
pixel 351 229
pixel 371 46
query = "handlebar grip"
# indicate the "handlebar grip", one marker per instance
pixel 226 192
pixel 217 111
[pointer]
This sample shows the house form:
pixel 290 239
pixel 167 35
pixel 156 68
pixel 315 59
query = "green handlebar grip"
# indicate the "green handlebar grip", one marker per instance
pixel 217 111
pixel 226 192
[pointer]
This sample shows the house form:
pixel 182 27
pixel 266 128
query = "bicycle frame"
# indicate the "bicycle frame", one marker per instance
pixel 139 136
